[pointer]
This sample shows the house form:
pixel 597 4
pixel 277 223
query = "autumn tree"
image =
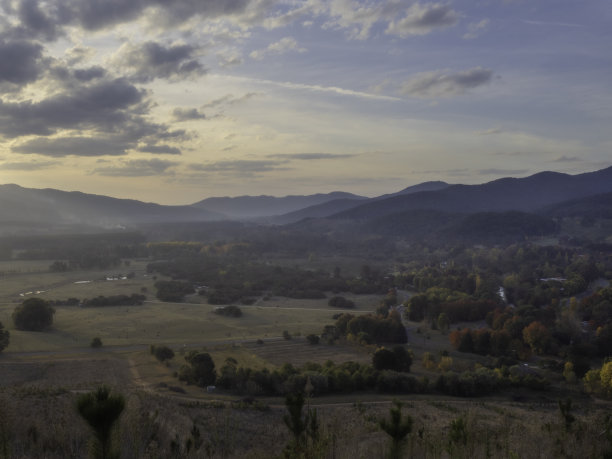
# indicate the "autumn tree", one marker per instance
pixel 537 336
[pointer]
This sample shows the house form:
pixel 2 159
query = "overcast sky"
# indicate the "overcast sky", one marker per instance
pixel 172 101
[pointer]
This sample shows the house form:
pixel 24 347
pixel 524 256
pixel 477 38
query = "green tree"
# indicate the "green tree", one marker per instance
pixel 4 337
pixel 101 410
pixel 202 368
pixel 96 342
pixel 163 353
pixel 34 314
pixel 397 427
pixel 303 427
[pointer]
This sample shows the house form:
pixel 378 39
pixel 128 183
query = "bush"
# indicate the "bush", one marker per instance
pixel 163 353
pixel 34 314
pixel 341 302
pixel 96 343
pixel 4 337
pixel 313 339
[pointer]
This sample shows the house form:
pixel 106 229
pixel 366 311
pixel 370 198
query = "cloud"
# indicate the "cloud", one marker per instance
pixel 20 62
pixel 241 168
pixel 73 146
pixel 422 19
pixel 27 165
pixel 439 84
pixel 282 46
pixel 229 99
pixel 310 156
pixel 159 149
pixel 36 23
pixel 553 24
pixel 492 131
pixel 148 61
pixel 104 106
pixel 318 88
pixel 474 29
pixel 567 159
pixel 136 168
pixel 187 114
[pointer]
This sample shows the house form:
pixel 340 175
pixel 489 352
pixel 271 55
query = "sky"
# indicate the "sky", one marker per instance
pixel 174 101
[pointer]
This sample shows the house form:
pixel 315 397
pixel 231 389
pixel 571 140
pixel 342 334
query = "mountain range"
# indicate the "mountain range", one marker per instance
pixel 548 194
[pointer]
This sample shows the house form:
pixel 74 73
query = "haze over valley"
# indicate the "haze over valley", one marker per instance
pixel 305 229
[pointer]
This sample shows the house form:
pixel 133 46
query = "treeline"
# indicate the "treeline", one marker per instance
pixel 230 280
pixel 347 377
pixel 577 332
pixel 76 251
pixel 135 299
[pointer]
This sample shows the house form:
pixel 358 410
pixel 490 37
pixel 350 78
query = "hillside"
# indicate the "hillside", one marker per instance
pixel 339 205
pixel 29 207
pixel 522 194
pixel 250 207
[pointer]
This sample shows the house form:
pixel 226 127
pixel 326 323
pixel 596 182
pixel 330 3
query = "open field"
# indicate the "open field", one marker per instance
pixel 21 279
pixel 158 323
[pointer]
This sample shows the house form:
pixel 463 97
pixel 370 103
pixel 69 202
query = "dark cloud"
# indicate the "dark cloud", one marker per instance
pixel 105 106
pixel 73 146
pixel 20 62
pixel 439 84
pixel 152 60
pixel 96 15
pixel 89 74
pixel 187 114
pixel 159 150
pixel 311 156
pixel 136 168
pixel 37 23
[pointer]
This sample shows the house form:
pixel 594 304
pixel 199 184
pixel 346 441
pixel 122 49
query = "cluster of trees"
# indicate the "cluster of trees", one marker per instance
pixel 482 341
pixel 457 308
pixel 199 369
pixel 173 290
pixel 231 279
pixel 367 328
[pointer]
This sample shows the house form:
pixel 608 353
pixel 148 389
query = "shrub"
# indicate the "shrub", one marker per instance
pixel 96 342
pixel 341 302
pixel 4 337
pixel 163 353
